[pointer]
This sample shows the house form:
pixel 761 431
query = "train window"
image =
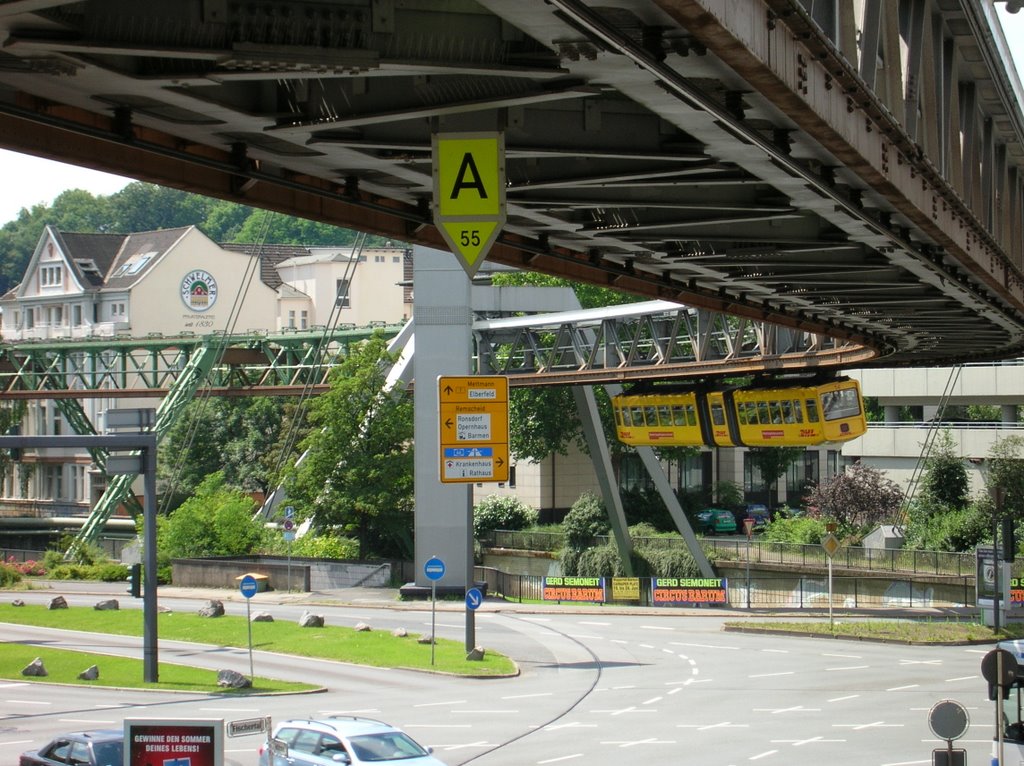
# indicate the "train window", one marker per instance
pixel 812 411
pixel 679 415
pixel 798 413
pixel 617 411
pixel 787 412
pixel 840 404
pixel 775 408
pixel 717 415
pixel 742 414
pixel 664 415
pixel 650 415
pixel 634 416
pixel 691 415
pixel 762 413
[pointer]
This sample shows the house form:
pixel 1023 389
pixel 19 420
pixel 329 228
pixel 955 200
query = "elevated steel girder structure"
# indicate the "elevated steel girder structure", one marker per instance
pixel 847 168
pixel 641 341
pixel 279 364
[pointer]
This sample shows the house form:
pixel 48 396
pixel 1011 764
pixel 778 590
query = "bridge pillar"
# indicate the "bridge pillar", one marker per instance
pixel 443 320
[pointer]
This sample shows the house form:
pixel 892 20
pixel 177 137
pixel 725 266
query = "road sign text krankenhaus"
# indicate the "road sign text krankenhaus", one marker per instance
pixel 473 428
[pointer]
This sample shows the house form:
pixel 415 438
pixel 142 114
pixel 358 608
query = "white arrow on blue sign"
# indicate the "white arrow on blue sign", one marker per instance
pixel 474 598
pixel 434 569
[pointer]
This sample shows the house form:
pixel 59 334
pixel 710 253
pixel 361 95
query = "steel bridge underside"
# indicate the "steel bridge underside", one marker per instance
pixel 752 158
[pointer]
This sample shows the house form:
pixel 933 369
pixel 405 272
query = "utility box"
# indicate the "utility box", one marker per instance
pixel 262 581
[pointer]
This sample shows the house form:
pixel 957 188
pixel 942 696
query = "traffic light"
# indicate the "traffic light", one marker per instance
pixel 1009 540
pixel 135 580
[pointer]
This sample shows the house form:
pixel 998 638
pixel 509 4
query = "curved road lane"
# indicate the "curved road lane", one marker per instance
pixel 658 688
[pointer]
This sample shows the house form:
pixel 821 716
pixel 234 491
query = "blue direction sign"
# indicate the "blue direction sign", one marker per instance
pixel 434 569
pixel 248 586
pixel 474 598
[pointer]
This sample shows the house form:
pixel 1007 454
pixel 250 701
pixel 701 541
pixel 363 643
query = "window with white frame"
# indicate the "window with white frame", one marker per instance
pixel 76 315
pixel 303 320
pixel 343 293
pixel 50 276
pixel 51 482
pixel 291 319
pixel 79 487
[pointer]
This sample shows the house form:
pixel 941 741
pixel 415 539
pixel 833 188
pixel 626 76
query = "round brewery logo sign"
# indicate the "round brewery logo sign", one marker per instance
pixel 199 290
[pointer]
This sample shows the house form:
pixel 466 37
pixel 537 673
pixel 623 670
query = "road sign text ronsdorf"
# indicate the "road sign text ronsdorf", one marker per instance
pixel 469 193
pixel 473 428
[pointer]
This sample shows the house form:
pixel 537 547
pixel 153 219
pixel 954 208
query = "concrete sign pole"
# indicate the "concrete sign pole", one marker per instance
pixel 443 318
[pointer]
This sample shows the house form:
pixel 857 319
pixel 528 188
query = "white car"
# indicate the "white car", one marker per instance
pixel 341 739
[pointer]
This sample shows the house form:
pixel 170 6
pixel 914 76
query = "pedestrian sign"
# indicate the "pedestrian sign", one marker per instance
pixel 469 193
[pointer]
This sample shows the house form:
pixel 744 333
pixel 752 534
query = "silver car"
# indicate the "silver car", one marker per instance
pixel 341 739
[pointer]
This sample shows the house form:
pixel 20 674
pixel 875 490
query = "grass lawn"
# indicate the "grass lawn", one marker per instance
pixel 374 647
pixel 902 630
pixel 63 667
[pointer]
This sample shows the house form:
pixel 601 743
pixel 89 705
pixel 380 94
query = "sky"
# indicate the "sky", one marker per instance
pixel 41 181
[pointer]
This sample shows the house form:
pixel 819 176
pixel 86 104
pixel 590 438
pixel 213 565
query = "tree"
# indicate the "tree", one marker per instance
pixel 542 421
pixel 860 496
pixel 358 473
pixel 233 435
pixel 946 485
pixel 772 463
pixel 1004 476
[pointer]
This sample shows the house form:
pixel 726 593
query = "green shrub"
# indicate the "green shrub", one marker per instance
pixel 326 547
pixel 109 571
pixel 585 520
pixel 69 572
pixel 802 530
pixel 666 562
pixel 600 561
pixel 498 512
pixel 642 530
pixel 8 575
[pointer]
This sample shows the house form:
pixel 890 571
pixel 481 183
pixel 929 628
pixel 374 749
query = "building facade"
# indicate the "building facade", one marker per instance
pixel 170 283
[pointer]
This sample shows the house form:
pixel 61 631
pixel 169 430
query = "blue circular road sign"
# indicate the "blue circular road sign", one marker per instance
pixel 248 586
pixel 474 598
pixel 434 569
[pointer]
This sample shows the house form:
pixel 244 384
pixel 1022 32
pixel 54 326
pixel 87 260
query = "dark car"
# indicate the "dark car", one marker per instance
pixel 100 747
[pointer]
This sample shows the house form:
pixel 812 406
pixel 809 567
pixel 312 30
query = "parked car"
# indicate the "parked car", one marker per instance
pixel 100 747
pixel 341 740
pixel 759 513
pixel 716 521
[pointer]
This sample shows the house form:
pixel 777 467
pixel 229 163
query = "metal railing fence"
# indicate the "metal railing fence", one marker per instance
pixel 765 552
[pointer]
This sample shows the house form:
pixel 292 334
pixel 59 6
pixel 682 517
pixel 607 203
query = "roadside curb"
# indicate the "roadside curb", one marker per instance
pixel 862 639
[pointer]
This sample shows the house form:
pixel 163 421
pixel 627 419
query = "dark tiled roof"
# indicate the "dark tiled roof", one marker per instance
pixel 156 242
pixel 101 249
pixel 270 256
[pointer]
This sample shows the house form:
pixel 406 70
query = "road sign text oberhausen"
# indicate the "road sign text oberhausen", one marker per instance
pixel 473 428
pixel 469 193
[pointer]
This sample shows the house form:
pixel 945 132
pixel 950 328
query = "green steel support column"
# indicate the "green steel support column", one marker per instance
pixel 181 393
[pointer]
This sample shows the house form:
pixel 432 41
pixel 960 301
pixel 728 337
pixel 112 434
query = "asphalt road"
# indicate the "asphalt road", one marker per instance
pixel 596 686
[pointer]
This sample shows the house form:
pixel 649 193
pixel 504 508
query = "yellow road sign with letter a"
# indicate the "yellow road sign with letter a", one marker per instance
pixel 469 193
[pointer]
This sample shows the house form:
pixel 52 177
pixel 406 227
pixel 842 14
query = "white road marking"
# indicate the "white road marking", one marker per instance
pixel 794 709
pixel 556 726
pixel 652 700
pixel 562 758
pixel 844 656
pixel 460 747
pixel 527 696
pixel 961 678
pixel 646 646
pixel 709 726
pixel 847 697
pixel 872 725
pixel 901 688
pixel 770 675
pixel 801 742
pixel 620 711
pixel 656 627
pixel 600 624
pixel 704 646
pixel 849 667
pixel 765 754
pixel 435 704
pixel 634 742
pixel 99 721
pixel 27 702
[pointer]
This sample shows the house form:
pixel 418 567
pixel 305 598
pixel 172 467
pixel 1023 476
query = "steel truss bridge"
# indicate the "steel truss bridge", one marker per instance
pixel 845 168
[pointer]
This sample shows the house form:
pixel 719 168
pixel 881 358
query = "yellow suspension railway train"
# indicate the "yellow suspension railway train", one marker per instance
pixel 776 413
